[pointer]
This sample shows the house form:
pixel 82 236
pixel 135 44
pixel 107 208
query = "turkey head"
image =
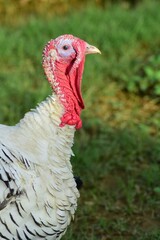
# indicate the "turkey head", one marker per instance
pixel 63 62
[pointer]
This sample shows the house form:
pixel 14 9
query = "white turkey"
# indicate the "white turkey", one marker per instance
pixel 38 193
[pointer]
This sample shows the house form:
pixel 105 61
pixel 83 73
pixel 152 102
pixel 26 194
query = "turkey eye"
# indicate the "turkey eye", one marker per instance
pixel 65 47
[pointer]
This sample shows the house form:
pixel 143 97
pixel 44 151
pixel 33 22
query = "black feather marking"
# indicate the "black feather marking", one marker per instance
pixel 49 224
pixel 17 206
pixel 45 225
pixel 7 155
pixel 22 207
pixel 48 204
pixel 47 211
pixel 52 225
pixel 49 234
pixel 38 224
pixel 25 162
pixel 3 237
pixel 29 231
pixel 60 232
pixel 8 176
pixel 19 237
pixel 3 159
pixel 56 231
pixel 4 203
pixel 8 199
pixel 6 226
pixel 39 235
pixel 50 192
pixel 9 179
pixel 26 236
pixel 13 220
pixel 11 153
pixel 34 189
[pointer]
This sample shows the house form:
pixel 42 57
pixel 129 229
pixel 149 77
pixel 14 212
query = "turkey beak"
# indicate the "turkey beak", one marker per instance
pixel 91 49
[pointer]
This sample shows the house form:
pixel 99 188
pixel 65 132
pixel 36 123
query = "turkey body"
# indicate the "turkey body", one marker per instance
pixel 38 194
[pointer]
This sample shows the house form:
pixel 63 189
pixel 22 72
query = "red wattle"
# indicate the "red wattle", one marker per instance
pixel 69 91
pixel 75 77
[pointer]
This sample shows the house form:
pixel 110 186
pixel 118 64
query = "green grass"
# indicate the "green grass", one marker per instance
pixel 118 148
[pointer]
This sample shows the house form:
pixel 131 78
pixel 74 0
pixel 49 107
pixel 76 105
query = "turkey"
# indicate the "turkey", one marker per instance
pixel 38 192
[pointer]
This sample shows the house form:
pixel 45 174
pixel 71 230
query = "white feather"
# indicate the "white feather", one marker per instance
pixel 35 163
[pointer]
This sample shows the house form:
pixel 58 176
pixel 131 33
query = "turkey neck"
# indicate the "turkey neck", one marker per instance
pixel 50 143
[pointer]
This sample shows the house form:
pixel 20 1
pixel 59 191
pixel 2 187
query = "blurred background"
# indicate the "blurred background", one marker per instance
pixel 118 149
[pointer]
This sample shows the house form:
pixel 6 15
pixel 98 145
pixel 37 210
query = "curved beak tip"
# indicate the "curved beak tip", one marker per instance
pixel 92 49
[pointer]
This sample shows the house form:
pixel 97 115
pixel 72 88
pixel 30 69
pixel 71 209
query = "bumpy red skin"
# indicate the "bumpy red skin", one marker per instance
pixel 65 77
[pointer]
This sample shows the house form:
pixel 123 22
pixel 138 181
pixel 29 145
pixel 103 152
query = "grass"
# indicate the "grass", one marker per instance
pixel 118 148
